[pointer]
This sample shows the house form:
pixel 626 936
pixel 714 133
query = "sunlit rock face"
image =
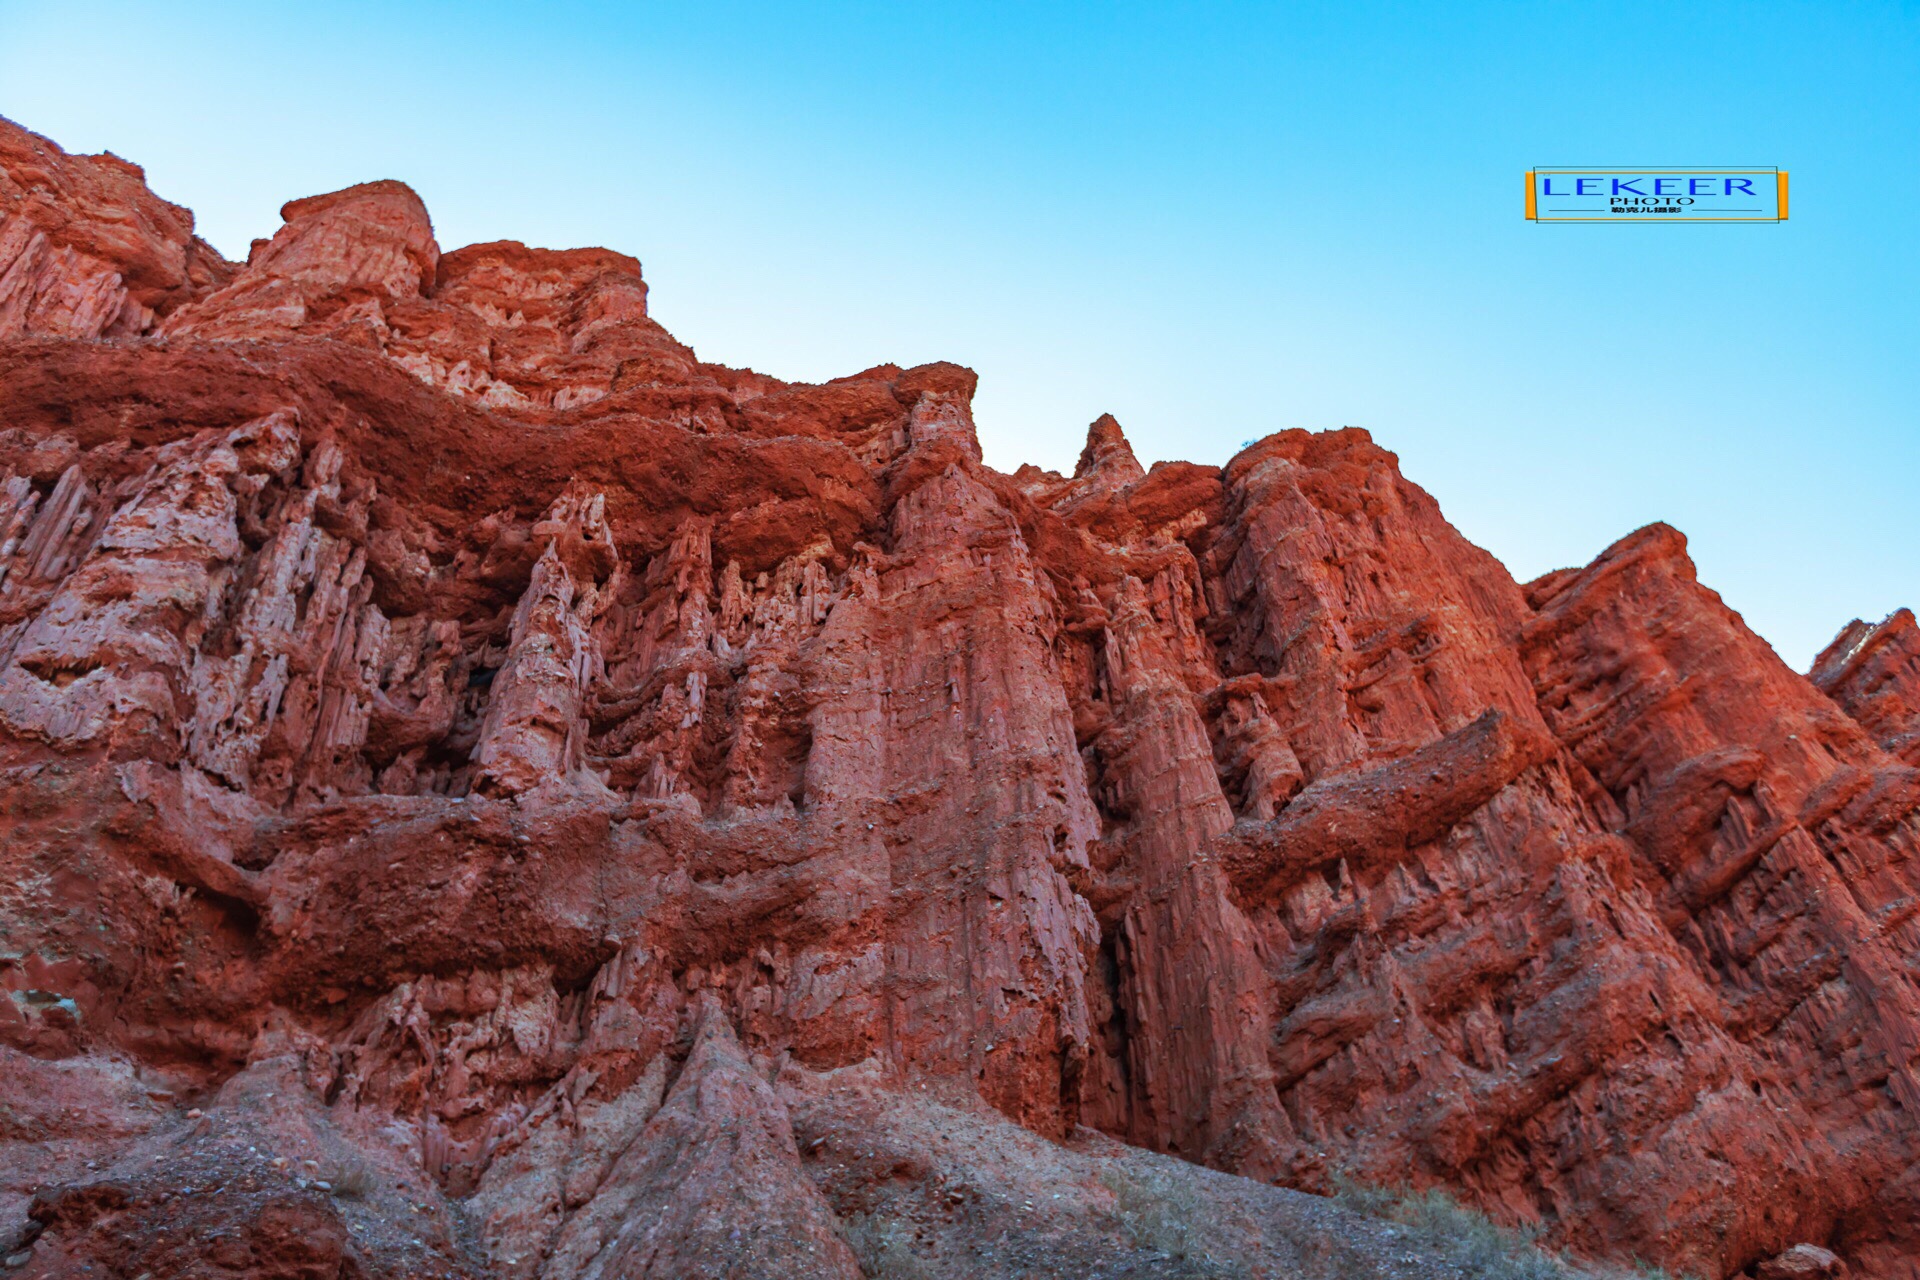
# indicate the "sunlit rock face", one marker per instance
pixel 486 793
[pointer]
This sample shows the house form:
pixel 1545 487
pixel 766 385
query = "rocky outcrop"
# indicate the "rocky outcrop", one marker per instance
pixel 86 251
pixel 487 793
pixel 1873 672
pixel 708 1184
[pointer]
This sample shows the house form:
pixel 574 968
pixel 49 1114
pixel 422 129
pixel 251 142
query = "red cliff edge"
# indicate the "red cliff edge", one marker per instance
pixel 485 793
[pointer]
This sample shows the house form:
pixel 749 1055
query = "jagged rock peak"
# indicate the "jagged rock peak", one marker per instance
pixel 1108 452
pixel 1873 672
pixel 86 250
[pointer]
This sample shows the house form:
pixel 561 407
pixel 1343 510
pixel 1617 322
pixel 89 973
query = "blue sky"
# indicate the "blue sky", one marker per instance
pixel 1213 221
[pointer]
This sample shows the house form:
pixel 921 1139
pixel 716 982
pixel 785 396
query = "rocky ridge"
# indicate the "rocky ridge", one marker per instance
pixel 488 793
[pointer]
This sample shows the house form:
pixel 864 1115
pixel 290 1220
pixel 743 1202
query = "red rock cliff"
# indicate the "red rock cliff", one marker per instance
pixel 485 792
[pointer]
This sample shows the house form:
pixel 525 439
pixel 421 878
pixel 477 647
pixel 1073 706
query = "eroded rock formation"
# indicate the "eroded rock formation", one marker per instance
pixel 487 793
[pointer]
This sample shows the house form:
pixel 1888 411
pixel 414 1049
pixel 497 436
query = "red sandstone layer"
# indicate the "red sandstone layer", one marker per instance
pixel 630 816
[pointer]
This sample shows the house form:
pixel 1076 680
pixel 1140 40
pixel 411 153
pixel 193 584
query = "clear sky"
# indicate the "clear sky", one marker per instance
pixel 1213 221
